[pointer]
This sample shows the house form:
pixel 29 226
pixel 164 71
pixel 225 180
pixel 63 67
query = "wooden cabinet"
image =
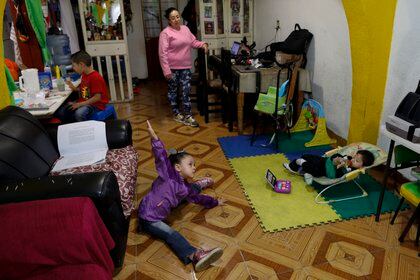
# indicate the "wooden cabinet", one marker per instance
pixel 105 37
pixel 221 22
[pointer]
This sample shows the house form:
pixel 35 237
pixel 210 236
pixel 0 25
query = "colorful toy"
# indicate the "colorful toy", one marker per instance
pixel 312 117
pixel 279 186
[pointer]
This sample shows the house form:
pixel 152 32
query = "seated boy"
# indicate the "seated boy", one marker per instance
pixel 332 167
pixel 92 91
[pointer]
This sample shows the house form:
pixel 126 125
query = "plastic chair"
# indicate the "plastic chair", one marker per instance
pixel 108 113
pixel 267 103
pixel 352 176
pixel 411 192
pixel 403 158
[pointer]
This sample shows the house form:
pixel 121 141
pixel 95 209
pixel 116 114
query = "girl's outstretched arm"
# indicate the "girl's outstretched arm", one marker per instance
pixel 163 166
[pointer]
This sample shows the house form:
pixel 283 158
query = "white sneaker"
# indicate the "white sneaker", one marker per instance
pixel 190 121
pixel 179 118
pixel 308 178
pixel 286 165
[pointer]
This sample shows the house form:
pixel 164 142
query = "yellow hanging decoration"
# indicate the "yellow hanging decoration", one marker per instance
pixel 4 91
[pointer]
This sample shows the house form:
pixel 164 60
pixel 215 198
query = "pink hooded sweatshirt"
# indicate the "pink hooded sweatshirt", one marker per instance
pixel 175 48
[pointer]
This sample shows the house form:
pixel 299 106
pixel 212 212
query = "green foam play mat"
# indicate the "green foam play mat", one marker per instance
pixel 277 211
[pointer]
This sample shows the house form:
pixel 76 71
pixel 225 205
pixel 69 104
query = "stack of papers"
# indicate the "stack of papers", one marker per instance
pixel 81 144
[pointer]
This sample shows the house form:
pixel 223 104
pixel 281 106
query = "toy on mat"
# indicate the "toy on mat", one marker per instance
pixel 312 117
pixel 279 186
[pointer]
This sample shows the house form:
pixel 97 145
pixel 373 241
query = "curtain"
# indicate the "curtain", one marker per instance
pixel 69 25
pixel 36 17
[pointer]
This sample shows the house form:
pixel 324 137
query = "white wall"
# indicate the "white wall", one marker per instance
pixel 329 57
pixel 404 62
pixel 136 43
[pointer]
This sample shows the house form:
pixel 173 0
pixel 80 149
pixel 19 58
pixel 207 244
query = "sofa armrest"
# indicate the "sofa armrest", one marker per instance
pixel 97 186
pixel 101 187
pixel 118 133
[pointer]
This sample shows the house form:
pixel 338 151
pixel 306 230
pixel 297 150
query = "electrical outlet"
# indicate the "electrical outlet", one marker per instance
pixel 277 25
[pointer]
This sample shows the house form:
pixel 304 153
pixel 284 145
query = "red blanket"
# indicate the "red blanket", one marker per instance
pixel 60 238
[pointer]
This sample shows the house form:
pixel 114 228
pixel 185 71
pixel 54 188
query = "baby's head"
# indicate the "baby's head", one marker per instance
pixel 184 163
pixel 362 158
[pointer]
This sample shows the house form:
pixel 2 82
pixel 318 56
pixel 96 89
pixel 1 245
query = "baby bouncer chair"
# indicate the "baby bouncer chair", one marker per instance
pixel 352 176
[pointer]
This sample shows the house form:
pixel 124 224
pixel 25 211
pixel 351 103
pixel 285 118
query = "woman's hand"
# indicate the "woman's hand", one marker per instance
pixel 151 131
pixel 168 77
pixel 205 47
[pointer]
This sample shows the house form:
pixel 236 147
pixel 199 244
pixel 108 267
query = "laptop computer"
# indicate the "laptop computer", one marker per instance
pixel 234 50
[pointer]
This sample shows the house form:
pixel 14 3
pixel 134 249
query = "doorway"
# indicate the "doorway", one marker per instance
pixel 154 22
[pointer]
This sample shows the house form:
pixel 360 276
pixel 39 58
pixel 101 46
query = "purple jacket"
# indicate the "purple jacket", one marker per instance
pixel 168 190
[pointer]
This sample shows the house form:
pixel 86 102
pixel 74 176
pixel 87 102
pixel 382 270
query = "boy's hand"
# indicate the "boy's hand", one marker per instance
pixel 151 131
pixel 343 163
pixel 221 201
pixel 74 106
pixel 71 86
pixel 337 160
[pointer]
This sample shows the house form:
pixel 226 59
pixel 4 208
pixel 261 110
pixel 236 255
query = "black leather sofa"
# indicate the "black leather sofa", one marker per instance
pixel 28 151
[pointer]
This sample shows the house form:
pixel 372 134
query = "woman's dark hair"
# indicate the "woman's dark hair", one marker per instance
pixel 367 157
pixel 169 11
pixel 176 158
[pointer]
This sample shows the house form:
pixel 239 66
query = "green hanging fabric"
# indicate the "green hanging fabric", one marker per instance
pixel 106 17
pixel 95 13
pixel 10 85
pixel 36 18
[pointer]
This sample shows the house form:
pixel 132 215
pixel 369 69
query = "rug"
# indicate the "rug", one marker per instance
pixel 286 211
pixel 240 146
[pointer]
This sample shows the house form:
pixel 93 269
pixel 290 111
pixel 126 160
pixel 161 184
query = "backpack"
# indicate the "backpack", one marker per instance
pixel 296 43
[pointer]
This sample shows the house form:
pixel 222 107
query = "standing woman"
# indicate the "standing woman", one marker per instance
pixel 175 43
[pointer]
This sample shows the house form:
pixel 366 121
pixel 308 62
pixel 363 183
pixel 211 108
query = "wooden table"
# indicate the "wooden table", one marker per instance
pixel 247 79
pixel 54 101
pixel 415 147
pixel 251 80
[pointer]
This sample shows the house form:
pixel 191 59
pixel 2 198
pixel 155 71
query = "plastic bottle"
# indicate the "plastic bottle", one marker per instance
pixel 60 81
pixel 61 85
pixel 47 70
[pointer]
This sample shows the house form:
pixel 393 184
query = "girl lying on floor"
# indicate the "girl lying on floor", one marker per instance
pixel 168 191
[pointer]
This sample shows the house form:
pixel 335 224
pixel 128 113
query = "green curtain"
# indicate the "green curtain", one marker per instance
pixel 10 85
pixel 36 18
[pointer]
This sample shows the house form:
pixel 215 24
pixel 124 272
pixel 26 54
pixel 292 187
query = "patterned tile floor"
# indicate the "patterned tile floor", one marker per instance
pixel 356 249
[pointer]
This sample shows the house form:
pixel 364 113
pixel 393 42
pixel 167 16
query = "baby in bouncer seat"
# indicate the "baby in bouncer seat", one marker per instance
pixel 332 167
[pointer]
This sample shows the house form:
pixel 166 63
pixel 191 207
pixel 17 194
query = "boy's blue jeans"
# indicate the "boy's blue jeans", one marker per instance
pixel 179 245
pixel 66 115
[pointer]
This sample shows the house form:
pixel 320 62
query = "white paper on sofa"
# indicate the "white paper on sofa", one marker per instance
pixel 80 144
